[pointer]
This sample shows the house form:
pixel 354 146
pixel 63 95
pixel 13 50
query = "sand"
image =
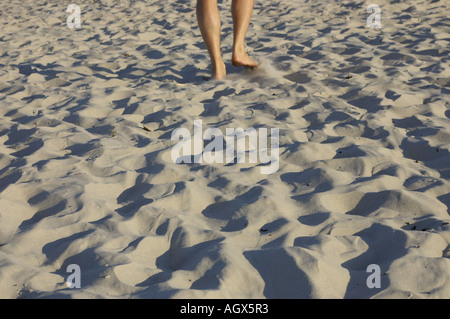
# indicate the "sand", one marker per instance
pixel 87 178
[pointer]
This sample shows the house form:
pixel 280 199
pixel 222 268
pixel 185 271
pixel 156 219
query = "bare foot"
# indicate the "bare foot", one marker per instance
pixel 243 59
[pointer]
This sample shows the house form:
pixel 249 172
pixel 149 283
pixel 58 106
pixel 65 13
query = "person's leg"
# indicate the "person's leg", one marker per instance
pixel 208 18
pixel 241 11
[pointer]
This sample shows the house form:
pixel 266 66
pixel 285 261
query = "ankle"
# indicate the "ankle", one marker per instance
pixel 218 69
pixel 238 49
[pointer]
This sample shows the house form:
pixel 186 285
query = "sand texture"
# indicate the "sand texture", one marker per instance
pixel 87 178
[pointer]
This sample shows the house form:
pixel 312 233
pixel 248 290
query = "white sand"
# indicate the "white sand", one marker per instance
pixel 364 152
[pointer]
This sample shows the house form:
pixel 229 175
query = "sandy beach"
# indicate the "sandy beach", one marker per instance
pixel 358 205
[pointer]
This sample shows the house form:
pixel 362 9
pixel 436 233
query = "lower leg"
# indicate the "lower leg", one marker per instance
pixel 208 18
pixel 241 11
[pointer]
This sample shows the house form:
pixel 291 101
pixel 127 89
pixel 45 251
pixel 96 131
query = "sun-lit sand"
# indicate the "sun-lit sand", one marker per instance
pixel 87 178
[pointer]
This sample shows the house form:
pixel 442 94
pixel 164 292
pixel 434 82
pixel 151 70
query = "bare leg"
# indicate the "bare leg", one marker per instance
pixel 241 11
pixel 208 18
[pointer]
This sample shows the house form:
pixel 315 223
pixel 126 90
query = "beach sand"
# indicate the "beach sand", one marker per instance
pixel 87 177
